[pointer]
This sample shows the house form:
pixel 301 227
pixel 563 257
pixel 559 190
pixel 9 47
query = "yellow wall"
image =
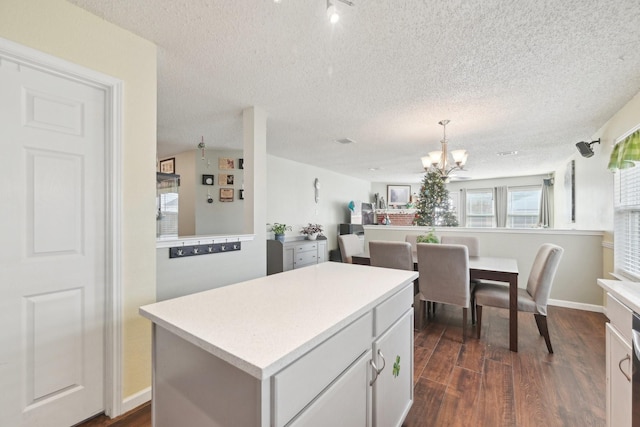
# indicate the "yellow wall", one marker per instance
pixel 68 32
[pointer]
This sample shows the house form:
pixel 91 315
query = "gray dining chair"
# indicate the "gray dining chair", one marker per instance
pixel 412 239
pixel 443 275
pixel 391 255
pixel 534 298
pixel 473 245
pixel 350 245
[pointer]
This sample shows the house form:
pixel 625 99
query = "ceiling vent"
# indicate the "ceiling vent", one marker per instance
pixel 345 141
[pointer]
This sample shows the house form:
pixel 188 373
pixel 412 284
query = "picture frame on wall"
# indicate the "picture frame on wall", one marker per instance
pixel 225 179
pixel 241 194
pixel 168 165
pixel 398 195
pixel 226 194
pixel 225 163
pixel 207 180
pixel 240 163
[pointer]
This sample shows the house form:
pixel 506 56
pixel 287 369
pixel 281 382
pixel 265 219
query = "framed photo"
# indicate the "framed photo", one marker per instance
pixel 207 179
pixel 241 194
pixel 398 195
pixel 168 165
pixel 240 163
pixel 225 163
pixel 226 194
pixel 224 179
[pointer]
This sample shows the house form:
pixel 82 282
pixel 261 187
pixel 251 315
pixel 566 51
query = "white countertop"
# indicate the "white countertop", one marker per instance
pixel 627 292
pixel 262 325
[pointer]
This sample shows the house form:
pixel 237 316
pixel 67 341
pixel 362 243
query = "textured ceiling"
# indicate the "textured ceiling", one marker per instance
pixel 532 76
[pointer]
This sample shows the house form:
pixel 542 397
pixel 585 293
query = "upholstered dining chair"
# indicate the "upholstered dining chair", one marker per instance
pixel 444 277
pixel 350 245
pixel 412 239
pixel 534 298
pixel 473 245
pixel 391 255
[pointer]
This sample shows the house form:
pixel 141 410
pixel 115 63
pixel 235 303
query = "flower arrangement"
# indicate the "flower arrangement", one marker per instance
pixel 312 229
pixel 279 229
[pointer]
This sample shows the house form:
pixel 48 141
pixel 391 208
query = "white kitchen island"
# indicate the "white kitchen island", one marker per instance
pixel 330 344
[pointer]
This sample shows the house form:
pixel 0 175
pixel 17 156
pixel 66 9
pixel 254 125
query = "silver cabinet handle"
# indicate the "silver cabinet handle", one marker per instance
pixel 627 357
pixel 384 363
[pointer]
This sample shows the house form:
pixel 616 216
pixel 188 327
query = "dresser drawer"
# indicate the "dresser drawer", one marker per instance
pixel 620 316
pixel 302 247
pixel 305 258
pixel 298 384
pixel 390 310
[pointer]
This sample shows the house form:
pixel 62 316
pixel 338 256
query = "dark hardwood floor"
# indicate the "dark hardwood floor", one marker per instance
pixel 482 383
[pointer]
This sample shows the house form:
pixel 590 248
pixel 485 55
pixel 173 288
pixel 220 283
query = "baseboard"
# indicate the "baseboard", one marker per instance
pixel 135 400
pixel 576 305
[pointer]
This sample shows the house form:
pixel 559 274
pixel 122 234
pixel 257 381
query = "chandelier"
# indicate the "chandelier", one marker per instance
pixel 438 161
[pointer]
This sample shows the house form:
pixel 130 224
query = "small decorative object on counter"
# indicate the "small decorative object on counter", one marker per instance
pixel 312 231
pixel 279 230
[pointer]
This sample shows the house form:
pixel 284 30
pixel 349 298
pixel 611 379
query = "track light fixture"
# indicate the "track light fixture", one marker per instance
pixel 585 147
pixel 332 11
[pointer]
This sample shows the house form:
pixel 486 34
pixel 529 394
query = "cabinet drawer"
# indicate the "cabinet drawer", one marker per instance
pixel 390 310
pixel 302 247
pixel 620 316
pixel 345 403
pixel 305 258
pixel 297 385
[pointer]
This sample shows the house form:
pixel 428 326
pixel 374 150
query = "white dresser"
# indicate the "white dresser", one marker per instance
pixel 325 345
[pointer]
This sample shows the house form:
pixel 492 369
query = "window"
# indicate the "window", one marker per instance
pixel 480 212
pixel 627 222
pixel 523 206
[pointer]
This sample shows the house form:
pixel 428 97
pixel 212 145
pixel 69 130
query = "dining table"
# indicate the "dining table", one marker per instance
pixel 484 268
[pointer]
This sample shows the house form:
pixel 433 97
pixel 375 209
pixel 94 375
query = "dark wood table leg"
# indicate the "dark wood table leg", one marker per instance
pixel 513 312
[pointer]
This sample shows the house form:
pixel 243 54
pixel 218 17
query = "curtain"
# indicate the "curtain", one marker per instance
pixel 501 206
pixel 462 208
pixel 626 152
pixel 544 215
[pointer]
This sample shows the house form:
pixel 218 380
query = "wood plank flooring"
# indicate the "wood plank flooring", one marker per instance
pixel 482 383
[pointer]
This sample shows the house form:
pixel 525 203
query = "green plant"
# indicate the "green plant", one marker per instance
pixel 434 206
pixel 312 229
pixel 278 228
pixel 427 238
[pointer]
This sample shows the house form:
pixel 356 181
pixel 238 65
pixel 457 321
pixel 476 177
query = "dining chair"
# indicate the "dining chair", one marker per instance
pixel 534 298
pixel 473 245
pixel 350 245
pixel 443 275
pixel 412 239
pixel 391 255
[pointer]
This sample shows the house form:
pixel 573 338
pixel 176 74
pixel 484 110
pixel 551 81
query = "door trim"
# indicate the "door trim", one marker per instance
pixel 113 88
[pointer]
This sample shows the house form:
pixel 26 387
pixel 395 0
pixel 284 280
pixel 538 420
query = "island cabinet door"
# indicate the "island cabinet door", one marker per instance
pixel 393 384
pixel 346 402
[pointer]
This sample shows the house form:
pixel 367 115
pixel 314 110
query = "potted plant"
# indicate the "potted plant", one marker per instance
pixel 312 231
pixel 279 229
pixel 428 238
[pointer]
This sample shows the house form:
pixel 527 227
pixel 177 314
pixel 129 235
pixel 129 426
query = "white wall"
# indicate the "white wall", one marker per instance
pixel 594 182
pixel 290 196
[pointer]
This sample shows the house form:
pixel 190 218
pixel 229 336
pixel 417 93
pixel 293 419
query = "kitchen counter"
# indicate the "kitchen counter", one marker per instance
pixel 627 292
pixel 328 344
pixel 261 325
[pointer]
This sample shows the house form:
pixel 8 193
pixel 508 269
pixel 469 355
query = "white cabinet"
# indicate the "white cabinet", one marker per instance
pixel 393 386
pixel 292 254
pixel 619 364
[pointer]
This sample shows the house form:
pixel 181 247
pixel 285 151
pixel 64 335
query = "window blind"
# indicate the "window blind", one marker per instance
pixel 627 222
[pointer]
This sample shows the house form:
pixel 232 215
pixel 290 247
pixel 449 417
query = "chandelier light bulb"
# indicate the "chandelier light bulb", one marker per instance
pixel 332 12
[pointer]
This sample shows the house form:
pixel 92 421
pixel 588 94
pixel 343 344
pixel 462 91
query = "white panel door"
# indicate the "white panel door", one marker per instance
pixel 52 256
